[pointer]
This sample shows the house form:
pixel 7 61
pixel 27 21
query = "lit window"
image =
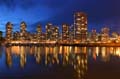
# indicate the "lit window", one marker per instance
pixel 78 19
pixel 82 24
pixel 82 17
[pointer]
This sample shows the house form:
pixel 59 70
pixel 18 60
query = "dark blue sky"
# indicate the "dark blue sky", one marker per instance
pixel 100 12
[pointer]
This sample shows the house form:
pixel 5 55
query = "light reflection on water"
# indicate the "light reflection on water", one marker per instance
pixel 60 55
pixel 76 57
pixel 104 52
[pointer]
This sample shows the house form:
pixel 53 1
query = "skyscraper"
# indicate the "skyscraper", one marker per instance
pixel 48 31
pixel 39 32
pixel 23 30
pixel 65 32
pixel 8 31
pixel 71 33
pixel 105 34
pixel 55 33
pixel 93 35
pixel 14 36
pixel 80 26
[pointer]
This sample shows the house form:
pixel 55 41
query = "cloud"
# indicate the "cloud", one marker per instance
pixel 27 4
pixel 56 11
pixel 14 4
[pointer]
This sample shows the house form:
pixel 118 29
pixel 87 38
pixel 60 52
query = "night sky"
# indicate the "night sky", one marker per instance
pixel 100 13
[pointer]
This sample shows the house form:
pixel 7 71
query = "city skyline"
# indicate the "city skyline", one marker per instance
pixel 76 34
pixel 78 31
pixel 100 13
pixel 59 26
pixel 60 39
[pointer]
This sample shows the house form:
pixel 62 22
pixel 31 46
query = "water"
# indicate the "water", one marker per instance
pixel 60 62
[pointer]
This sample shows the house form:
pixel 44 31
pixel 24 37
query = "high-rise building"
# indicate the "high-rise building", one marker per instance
pixel 34 37
pixel 43 37
pixel 55 33
pixel 8 31
pixel 71 33
pixel 48 31
pixel 93 35
pixel 105 34
pixel 23 30
pixel 80 26
pixel 14 36
pixel 39 32
pixel 65 32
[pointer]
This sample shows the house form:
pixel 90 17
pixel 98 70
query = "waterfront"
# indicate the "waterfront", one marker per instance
pixel 60 62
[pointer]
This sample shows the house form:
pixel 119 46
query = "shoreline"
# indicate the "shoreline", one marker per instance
pixel 63 44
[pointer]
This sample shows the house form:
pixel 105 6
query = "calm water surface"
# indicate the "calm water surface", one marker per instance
pixel 60 62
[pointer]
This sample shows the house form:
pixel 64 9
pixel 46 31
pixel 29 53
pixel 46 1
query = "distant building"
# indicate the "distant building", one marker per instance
pixel 115 34
pixel 39 32
pixel 55 33
pixel 28 35
pixel 9 31
pixel 34 37
pixel 14 36
pixel 43 37
pixel 65 32
pixel 94 35
pixel 80 26
pixel 23 31
pixel 71 33
pixel 105 34
pixel 48 31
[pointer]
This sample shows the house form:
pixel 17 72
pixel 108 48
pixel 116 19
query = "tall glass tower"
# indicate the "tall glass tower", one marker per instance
pixel 23 30
pixel 39 32
pixel 8 31
pixel 80 26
